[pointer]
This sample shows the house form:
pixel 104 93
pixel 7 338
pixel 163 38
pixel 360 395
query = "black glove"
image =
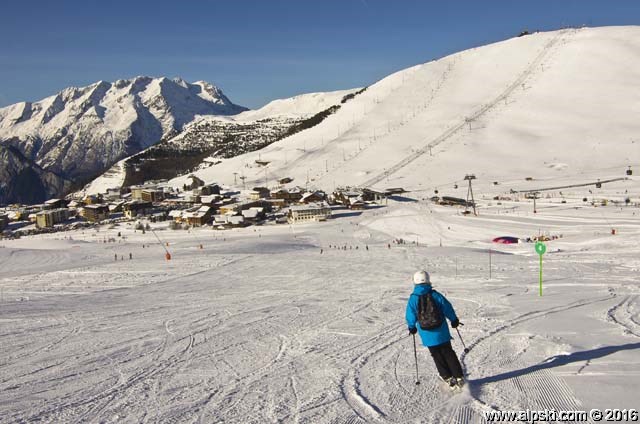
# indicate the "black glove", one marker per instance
pixel 455 323
pixel 413 330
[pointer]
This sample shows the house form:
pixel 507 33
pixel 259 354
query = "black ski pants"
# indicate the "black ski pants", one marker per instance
pixel 446 360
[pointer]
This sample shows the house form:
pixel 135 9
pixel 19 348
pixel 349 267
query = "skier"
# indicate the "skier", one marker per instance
pixel 438 340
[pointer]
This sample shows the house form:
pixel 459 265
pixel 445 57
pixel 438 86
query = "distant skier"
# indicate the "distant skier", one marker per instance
pixel 424 315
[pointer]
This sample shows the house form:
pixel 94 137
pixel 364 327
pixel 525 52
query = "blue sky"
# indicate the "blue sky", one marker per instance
pixel 257 51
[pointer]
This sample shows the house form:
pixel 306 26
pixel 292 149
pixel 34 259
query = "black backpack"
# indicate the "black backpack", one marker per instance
pixel 429 315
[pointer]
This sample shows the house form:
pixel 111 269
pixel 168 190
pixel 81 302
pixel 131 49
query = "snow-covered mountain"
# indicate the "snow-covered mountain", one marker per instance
pixel 555 105
pixel 80 132
pixel 23 181
pixel 212 138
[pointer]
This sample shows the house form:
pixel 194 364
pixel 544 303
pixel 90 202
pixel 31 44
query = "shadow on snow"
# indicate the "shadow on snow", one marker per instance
pixel 557 361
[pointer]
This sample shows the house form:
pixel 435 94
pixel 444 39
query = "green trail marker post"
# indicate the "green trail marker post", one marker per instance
pixel 540 249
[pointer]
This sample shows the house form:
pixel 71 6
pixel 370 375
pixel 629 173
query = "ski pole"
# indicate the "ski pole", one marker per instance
pixel 466 349
pixel 415 354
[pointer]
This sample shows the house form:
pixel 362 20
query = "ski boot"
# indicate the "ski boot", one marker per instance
pixel 449 381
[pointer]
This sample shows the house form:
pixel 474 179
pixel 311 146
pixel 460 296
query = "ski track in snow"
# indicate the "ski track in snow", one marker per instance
pixel 267 329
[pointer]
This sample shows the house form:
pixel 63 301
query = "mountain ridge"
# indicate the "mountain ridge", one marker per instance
pixel 555 101
pixel 81 131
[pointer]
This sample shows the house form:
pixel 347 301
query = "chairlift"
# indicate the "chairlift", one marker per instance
pixel 598 184
pixel 629 171
pixel 455 186
pixel 435 191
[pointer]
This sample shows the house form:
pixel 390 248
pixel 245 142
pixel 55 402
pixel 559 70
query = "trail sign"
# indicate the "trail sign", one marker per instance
pixel 541 248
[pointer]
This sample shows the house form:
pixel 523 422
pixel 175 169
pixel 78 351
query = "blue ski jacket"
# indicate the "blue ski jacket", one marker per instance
pixel 430 337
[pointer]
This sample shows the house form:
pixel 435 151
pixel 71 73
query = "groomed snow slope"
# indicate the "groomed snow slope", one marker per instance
pixel 260 326
pixel 549 105
pixel 302 105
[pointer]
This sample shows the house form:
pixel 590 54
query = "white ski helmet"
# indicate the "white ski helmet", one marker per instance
pixel 421 277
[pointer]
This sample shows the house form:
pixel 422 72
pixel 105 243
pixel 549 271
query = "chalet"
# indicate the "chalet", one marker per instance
pixel 236 208
pixel 22 213
pixel 116 207
pixel 371 195
pixel 236 221
pixel 346 196
pixel 92 199
pixel 75 204
pixel 136 208
pixel 292 195
pixel 248 204
pixel 192 198
pixel 54 204
pixel 222 222
pixel 356 204
pixel 17 214
pixel 253 214
pixel 182 202
pixel 260 193
pixel 209 189
pixel 96 213
pixel 312 212
pixel 220 219
pixel 275 204
pixel 199 217
pixel 49 218
pixel 228 194
pixel 176 215
pixel 228 209
pixel 210 200
pixel 313 197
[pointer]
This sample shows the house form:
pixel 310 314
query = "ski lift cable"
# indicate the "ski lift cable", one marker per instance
pixel 606 220
pixel 503 178
pixel 431 188
pixel 159 241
